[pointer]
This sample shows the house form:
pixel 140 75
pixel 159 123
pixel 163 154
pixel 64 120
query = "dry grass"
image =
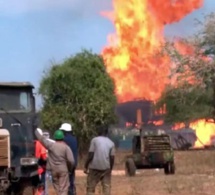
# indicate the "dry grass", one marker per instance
pixel 195 174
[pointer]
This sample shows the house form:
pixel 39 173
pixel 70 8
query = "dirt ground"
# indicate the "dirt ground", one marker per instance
pixel 195 174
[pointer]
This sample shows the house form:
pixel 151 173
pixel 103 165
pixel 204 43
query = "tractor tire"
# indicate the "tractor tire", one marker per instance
pixel 172 168
pixel 169 168
pixel 166 169
pixel 130 167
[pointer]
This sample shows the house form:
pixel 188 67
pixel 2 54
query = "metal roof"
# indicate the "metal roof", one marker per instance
pixel 16 84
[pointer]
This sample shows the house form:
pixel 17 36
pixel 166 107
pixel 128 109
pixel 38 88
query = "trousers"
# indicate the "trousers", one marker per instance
pixel 61 182
pixel 72 188
pixel 96 176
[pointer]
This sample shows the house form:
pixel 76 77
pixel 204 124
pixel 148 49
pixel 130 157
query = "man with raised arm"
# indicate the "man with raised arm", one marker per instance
pixel 60 161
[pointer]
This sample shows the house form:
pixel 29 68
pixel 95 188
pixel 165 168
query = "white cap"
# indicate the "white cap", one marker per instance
pixel 66 127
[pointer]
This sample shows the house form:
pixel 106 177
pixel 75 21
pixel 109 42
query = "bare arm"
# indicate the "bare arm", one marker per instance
pixel 90 154
pixel 89 159
pixel 112 157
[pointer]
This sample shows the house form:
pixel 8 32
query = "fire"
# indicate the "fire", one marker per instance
pixel 178 126
pixel 187 50
pixel 205 130
pixel 183 47
pixel 160 122
pixel 131 57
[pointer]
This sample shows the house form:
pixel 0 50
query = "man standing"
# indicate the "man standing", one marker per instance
pixel 100 162
pixel 60 161
pixel 71 141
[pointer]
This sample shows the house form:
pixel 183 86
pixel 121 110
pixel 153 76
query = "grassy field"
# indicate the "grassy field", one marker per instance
pixel 195 174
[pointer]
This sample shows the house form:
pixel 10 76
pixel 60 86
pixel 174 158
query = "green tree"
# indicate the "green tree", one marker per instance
pixel 192 94
pixel 78 91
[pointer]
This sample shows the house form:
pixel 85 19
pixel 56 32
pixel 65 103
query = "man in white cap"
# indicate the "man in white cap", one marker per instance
pixel 71 141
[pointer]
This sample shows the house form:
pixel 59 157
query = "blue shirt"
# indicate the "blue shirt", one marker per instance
pixel 71 141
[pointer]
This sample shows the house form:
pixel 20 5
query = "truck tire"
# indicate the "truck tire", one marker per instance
pixel 28 190
pixel 130 167
pixel 172 168
pixel 7 192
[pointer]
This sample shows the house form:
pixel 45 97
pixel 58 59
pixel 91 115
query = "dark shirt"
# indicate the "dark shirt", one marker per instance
pixel 71 141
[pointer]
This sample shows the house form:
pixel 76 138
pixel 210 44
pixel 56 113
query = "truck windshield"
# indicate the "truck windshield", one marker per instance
pixel 14 100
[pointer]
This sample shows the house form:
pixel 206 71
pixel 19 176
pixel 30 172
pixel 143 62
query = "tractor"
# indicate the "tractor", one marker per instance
pixel 150 151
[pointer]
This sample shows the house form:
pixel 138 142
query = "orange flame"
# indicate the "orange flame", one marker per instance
pixel 187 75
pixel 130 56
pixel 157 123
pixel 205 131
pixel 178 126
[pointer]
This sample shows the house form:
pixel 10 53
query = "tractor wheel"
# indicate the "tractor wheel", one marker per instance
pixel 172 168
pixel 166 169
pixel 130 167
pixel 169 168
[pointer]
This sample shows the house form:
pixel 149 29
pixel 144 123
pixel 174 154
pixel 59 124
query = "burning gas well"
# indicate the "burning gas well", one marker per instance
pixel 129 54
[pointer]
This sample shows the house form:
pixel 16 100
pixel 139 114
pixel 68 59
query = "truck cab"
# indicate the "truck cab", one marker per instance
pixel 18 121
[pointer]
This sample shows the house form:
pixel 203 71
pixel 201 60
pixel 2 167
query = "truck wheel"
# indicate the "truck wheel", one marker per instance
pixel 7 192
pixel 130 167
pixel 28 190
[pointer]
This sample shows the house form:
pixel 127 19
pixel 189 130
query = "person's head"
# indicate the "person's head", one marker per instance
pixel 58 135
pixel 46 135
pixel 66 127
pixel 103 130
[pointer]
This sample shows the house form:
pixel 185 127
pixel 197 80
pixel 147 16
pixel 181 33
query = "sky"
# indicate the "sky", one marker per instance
pixel 35 33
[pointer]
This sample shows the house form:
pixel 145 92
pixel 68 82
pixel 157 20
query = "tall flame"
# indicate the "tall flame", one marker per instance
pixel 130 56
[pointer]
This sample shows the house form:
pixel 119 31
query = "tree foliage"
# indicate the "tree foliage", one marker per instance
pixel 191 92
pixel 78 91
pixel 186 106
